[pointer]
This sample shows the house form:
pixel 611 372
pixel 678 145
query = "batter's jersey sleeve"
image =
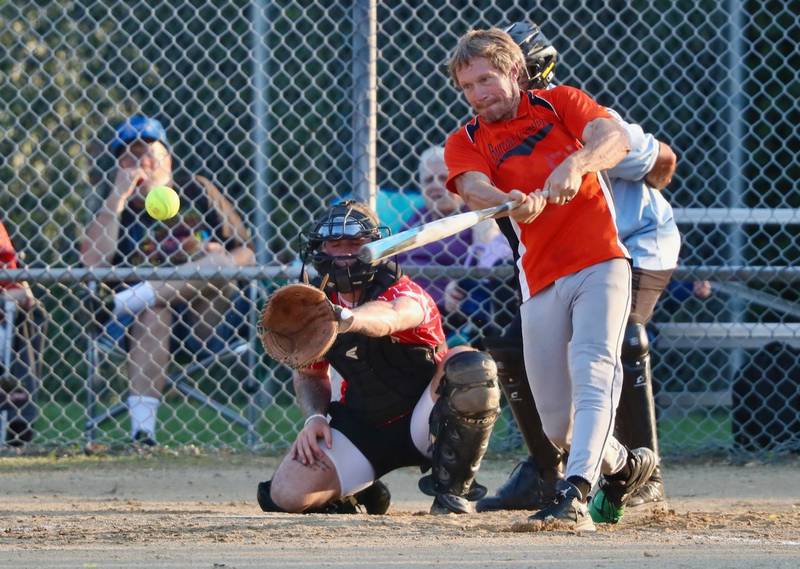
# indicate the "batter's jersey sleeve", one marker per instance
pixel 574 108
pixel 642 155
pixel 462 155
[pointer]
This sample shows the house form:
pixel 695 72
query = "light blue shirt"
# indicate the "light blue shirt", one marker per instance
pixel 645 221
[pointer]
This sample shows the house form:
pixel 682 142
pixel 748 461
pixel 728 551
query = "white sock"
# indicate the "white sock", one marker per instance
pixel 143 411
pixel 134 299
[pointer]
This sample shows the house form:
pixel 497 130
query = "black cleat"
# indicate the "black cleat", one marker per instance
pixel 568 511
pixel 527 488
pixel 374 500
pixel 650 493
pixel 609 503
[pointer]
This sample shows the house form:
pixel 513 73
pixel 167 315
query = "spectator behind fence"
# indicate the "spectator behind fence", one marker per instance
pixel 20 345
pixel 480 303
pixel 455 250
pixel 206 233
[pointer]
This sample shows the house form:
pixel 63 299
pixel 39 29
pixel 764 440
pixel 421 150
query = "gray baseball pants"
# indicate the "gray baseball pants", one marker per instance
pixel 572 335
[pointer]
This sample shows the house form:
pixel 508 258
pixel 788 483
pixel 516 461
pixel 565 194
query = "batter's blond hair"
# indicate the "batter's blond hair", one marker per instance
pixel 493 44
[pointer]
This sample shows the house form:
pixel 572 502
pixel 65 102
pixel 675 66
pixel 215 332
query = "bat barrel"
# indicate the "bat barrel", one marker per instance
pixel 409 239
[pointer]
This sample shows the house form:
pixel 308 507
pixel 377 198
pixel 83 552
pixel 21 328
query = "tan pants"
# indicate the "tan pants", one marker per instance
pixel 572 335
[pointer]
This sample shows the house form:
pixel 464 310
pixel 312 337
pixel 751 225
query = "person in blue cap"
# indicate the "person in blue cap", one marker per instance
pixel 207 232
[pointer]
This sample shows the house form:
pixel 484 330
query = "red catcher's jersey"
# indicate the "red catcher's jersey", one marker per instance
pixel 429 332
pixel 520 154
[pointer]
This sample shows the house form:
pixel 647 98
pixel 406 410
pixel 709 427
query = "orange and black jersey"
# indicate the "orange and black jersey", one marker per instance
pixel 520 154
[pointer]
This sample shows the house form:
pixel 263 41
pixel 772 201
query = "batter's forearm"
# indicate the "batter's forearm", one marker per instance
pixel 478 192
pixel 605 144
pixel 313 393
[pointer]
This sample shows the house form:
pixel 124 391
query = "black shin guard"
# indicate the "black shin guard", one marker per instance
pixel 461 424
pixel 636 414
pixel 514 383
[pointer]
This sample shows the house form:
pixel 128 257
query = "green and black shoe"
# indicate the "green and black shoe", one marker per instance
pixel 608 505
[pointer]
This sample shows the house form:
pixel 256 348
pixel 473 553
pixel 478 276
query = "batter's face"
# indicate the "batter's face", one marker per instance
pixel 432 179
pixel 492 94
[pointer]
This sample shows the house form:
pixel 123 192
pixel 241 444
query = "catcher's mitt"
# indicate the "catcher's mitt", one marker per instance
pixel 298 325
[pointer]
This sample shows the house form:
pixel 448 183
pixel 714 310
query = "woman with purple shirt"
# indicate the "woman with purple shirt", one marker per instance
pixel 466 248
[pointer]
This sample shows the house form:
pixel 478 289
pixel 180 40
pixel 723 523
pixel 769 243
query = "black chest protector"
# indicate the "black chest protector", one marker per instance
pixel 385 378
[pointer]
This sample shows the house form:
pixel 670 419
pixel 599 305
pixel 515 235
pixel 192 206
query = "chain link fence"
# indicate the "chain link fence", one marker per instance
pixel 271 103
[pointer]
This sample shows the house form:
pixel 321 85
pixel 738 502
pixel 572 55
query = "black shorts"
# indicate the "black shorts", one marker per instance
pixel 387 447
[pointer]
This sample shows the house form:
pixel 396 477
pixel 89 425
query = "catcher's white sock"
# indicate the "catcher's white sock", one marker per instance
pixel 143 411
pixel 134 299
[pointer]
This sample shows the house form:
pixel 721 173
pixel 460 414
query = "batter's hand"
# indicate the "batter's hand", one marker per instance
pixel 532 205
pixel 306 447
pixel 563 183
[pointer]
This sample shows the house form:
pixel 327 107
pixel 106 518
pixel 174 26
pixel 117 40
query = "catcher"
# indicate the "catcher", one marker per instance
pixel 406 400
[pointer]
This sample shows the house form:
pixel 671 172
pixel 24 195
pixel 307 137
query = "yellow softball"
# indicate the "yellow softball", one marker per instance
pixel 162 202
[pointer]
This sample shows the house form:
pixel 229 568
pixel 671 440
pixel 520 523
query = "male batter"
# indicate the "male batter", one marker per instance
pixel 403 388
pixel 647 228
pixel 574 275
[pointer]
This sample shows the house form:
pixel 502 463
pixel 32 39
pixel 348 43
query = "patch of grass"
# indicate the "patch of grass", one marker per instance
pixel 697 431
pixel 180 423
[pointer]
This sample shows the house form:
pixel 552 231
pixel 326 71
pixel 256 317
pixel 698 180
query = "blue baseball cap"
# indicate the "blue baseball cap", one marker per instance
pixel 138 127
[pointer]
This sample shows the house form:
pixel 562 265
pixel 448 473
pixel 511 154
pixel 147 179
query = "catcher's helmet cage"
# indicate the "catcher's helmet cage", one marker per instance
pixel 347 220
pixel 540 55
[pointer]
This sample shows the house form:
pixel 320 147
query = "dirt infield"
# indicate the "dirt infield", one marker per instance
pixel 168 511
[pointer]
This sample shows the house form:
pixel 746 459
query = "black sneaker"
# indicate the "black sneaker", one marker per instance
pixel 144 439
pixel 527 488
pixel 374 500
pixel 609 503
pixel 651 491
pixel 568 511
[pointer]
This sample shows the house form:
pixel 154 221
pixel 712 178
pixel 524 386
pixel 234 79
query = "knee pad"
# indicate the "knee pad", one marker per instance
pixel 462 420
pixel 635 343
pixel 470 384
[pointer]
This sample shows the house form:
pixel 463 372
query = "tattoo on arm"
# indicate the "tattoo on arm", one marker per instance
pixel 313 392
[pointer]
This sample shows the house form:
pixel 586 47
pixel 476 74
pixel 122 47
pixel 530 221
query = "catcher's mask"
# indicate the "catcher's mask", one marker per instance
pixel 347 220
pixel 540 55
